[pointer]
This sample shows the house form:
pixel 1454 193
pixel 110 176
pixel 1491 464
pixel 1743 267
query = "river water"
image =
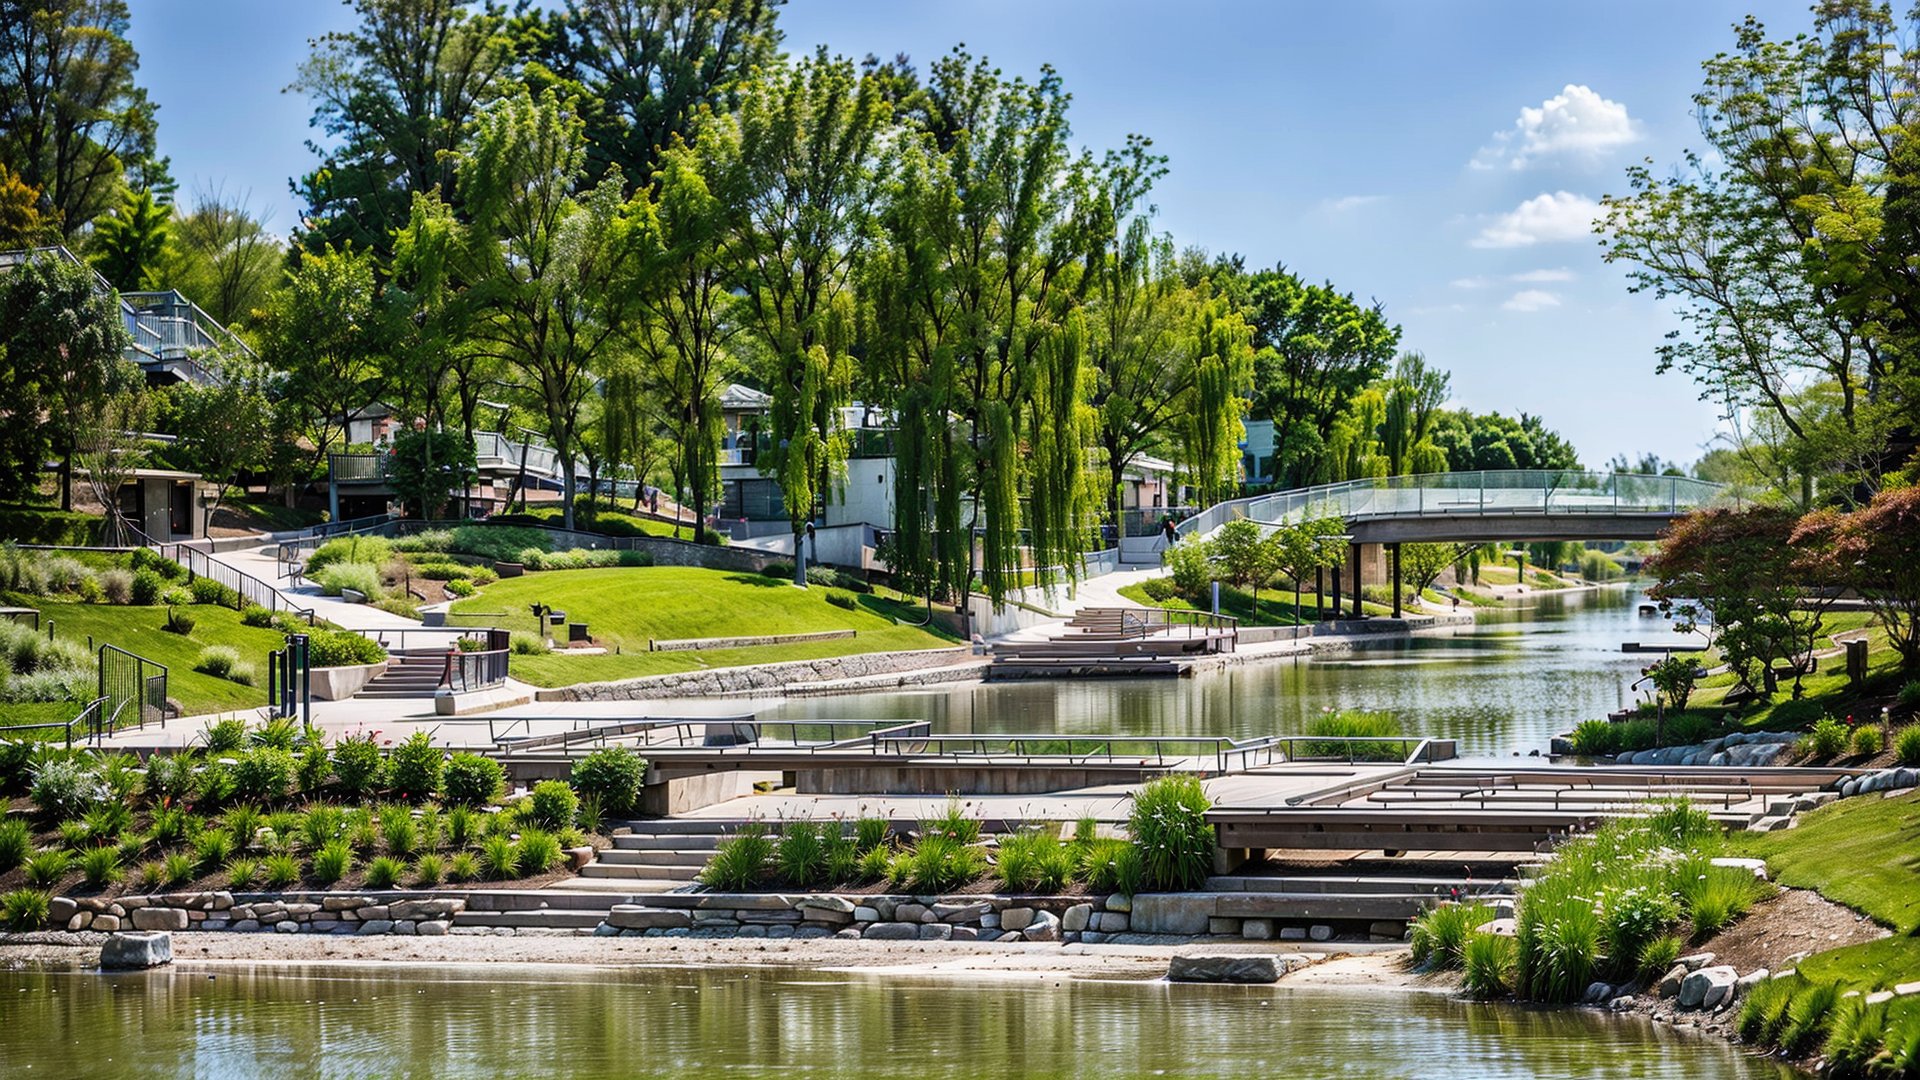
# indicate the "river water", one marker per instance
pixel 456 1022
pixel 1504 685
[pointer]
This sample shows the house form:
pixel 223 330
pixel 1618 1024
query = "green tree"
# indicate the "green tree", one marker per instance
pixel 222 257
pixel 551 274
pixel 797 156
pixel 130 244
pixel 965 298
pixel 110 443
pixel 1247 556
pixel 1315 350
pixel 650 67
pixel 64 340
pixel 1421 564
pixel 324 334
pixel 395 94
pixel 222 429
pixel 1414 396
pixel 1306 547
pixel 77 124
pixel 683 338
pixel 427 467
pixel 1790 260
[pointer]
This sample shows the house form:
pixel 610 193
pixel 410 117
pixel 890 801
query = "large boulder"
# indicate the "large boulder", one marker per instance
pixel 1229 968
pixel 135 951
pixel 1044 927
pixel 891 931
pixel 1173 913
pixel 639 917
pixel 1708 987
pixel 159 918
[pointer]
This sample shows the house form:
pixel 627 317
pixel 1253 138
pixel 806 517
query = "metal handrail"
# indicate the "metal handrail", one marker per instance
pixel 1487 491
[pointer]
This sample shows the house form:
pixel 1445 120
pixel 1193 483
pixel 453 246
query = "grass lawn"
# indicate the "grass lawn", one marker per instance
pixel 138 630
pixel 1276 605
pixel 1825 690
pixel 628 606
pixel 1863 852
pixel 609 522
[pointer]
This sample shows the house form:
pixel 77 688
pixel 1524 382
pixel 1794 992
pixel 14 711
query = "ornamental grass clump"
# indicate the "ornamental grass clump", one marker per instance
pixel 384 872
pixel 1906 746
pixel 463 866
pixel 1034 860
pixel 938 863
pixel 16 842
pixel 1440 936
pixel 741 861
pixel 428 869
pixel 332 862
pixel 800 855
pixel 47 867
pixel 499 859
pixel 279 871
pixel 536 853
pixel 1487 964
pixel 398 830
pixel 242 873
pixel 100 867
pixel 1169 827
pixel 1659 955
pixel 25 909
pixel 211 849
pixel 1111 865
pixel 1355 724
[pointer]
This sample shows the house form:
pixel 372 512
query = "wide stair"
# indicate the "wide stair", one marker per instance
pixel 657 855
pixel 1105 641
pixel 410 674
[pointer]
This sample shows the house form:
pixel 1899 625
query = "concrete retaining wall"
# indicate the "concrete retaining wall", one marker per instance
pixel 341 683
pixel 759 680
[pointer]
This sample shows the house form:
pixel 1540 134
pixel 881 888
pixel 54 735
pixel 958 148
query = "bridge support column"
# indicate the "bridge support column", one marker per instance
pixel 1336 593
pixel 1394 550
pixel 1359 580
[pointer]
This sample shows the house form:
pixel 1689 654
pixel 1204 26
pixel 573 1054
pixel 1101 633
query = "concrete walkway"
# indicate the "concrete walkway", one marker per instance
pixel 262 563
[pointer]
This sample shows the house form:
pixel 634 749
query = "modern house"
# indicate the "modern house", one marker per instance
pixel 173 340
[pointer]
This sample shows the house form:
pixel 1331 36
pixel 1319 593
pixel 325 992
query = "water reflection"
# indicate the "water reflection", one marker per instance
pixel 469 1022
pixel 1507 684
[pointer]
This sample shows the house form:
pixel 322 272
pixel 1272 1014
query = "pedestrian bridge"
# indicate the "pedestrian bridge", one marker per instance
pixel 1510 505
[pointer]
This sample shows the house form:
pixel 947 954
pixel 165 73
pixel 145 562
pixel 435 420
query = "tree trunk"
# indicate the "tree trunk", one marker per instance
pixel 800 557
pixel 66 478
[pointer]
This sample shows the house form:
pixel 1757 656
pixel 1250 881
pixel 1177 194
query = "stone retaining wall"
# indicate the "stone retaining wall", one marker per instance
pixel 690 644
pixel 284 914
pixel 760 679
pixel 1091 920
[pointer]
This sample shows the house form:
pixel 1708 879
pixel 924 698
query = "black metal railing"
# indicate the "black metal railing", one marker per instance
pixel 129 680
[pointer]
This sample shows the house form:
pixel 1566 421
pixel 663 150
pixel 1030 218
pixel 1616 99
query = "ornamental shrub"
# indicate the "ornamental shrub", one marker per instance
pixel 553 805
pixel 205 590
pixel 474 780
pixel 613 775
pixel 459 587
pixel 341 648
pixel 1168 824
pixel 358 764
pixel 64 788
pixel 116 586
pixel 225 735
pixel 1866 740
pixel 1906 745
pixel 265 775
pixel 414 769
pixel 363 578
pixel 366 550
pixel 1189 566
pixel 1828 738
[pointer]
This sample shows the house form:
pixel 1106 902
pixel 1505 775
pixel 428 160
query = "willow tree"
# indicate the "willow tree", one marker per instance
pixel 1220 358
pixel 682 338
pixel 797 158
pixel 979 264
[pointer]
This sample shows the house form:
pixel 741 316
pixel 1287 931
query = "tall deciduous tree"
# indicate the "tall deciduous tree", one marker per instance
pixel 1791 257
pixel 64 338
pixel 1414 396
pixel 324 334
pixel 1875 550
pixel 222 256
pixel 650 66
pixel 222 428
pixel 682 338
pixel 76 122
pixel 978 268
pixel 23 220
pixel 395 95
pixel 797 157
pixel 552 274
pixel 1315 349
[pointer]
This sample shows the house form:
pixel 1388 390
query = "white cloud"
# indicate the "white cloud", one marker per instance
pixel 1575 123
pixel 1531 300
pixel 1534 277
pixel 1471 282
pixel 1349 202
pixel 1543 219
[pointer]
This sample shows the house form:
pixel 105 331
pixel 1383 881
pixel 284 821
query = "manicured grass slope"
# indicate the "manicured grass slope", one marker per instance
pixel 627 607
pixel 1862 852
pixel 138 630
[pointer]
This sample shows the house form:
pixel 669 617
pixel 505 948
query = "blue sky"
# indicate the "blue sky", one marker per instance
pixel 1440 158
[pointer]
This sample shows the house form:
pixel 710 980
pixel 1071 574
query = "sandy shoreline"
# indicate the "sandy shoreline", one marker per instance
pixel 1376 968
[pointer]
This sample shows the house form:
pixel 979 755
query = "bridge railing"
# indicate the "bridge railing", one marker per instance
pixel 1491 491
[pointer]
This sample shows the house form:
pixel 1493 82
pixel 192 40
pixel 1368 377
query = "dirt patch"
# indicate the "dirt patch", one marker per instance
pixel 1795 921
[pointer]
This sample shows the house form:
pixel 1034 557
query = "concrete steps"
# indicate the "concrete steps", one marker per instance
pixel 409 675
pixel 666 850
